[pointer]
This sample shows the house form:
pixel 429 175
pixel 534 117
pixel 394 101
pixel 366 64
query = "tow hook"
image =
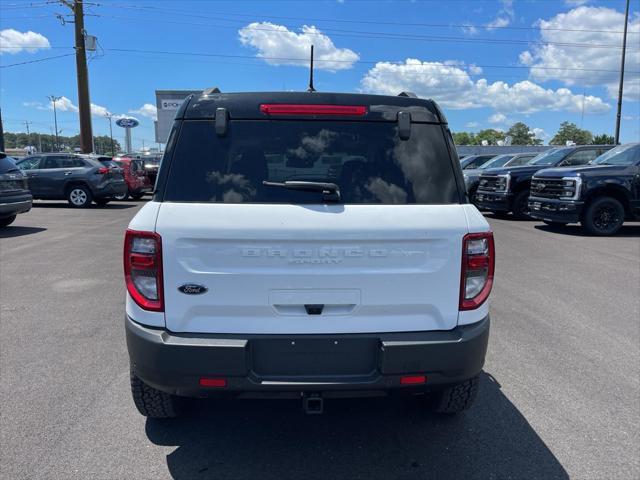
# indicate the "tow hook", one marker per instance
pixel 312 404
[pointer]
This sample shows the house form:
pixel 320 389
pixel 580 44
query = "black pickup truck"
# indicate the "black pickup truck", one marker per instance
pixel 504 190
pixel 600 196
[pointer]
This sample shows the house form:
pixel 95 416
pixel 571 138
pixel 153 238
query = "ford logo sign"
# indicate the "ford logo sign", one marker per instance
pixel 192 289
pixel 127 122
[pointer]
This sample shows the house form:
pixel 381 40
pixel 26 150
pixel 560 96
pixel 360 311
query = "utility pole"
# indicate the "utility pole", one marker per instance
pixel 84 104
pixel 1 133
pixel 621 89
pixel 110 116
pixel 54 99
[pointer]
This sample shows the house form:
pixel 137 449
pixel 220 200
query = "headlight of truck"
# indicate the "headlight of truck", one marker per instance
pixel 503 183
pixel 571 188
pixel 466 179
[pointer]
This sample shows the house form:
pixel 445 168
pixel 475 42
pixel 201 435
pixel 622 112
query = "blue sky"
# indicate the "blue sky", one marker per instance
pixel 488 63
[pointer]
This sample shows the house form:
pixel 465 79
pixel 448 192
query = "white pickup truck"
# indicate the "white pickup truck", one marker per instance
pixel 307 282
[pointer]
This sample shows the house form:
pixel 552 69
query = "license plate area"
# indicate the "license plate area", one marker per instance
pixel 300 357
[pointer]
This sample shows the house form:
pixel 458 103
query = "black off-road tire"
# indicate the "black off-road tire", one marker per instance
pixel 592 218
pixel 520 206
pixel 153 403
pixel 5 222
pixel 456 398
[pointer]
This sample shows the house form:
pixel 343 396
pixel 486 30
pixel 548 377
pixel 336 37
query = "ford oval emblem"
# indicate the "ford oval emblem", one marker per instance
pixel 127 122
pixel 192 289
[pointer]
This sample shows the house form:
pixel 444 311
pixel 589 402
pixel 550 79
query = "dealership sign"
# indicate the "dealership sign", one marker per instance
pixel 127 122
pixel 171 104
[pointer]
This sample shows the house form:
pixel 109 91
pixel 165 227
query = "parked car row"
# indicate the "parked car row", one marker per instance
pixel 595 185
pixel 79 179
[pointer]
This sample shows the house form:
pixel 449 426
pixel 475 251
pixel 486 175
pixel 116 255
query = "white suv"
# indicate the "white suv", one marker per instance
pixel 352 265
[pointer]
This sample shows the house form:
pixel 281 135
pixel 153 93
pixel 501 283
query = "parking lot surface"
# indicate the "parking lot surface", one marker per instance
pixel 560 396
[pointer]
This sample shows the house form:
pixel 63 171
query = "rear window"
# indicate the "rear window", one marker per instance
pixel 107 162
pixel 367 160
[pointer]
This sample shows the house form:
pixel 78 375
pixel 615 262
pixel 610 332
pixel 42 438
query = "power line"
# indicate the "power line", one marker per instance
pixel 362 22
pixel 306 60
pixel 37 61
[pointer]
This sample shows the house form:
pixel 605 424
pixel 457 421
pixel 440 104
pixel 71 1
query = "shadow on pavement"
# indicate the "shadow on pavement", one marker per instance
pixel 367 438
pixel 577 231
pixel 62 204
pixel 17 231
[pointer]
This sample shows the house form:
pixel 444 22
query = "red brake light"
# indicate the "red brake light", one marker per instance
pixel 478 265
pixel 413 380
pixel 336 110
pixel 103 170
pixel 213 382
pixel 143 269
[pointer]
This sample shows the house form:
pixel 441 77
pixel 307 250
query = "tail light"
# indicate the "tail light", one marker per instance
pixel 478 264
pixel 292 109
pixel 143 269
pixel 103 170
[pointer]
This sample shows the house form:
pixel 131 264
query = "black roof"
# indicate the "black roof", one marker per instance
pixel 247 105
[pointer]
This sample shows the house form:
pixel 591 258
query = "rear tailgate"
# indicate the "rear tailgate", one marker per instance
pixel 269 268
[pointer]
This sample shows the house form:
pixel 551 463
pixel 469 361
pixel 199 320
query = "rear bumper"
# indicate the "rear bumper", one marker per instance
pixel 339 365
pixel 495 202
pixel 563 211
pixel 110 189
pixel 12 205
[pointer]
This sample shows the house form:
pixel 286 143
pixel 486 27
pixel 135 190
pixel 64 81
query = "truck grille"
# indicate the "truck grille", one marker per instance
pixel 550 188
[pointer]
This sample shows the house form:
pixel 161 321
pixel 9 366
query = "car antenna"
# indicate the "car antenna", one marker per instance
pixel 311 89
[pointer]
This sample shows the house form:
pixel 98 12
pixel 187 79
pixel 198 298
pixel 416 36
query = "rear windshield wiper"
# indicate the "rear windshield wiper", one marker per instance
pixel 330 191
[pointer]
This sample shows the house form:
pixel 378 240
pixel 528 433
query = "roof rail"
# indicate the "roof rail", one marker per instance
pixel 209 91
pixel 407 94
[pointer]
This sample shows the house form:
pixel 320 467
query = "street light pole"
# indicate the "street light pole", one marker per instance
pixel 621 89
pixel 110 116
pixel 54 99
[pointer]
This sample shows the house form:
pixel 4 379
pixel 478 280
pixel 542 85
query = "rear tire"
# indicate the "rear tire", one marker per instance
pixel 456 398
pixel 5 222
pixel 520 206
pixel 153 403
pixel 121 197
pixel 604 216
pixel 79 196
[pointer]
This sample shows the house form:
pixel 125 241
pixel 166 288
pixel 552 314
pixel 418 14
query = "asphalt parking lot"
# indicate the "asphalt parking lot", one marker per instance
pixel 560 396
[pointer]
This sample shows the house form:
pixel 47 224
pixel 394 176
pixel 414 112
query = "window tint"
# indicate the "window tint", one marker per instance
pixel 29 163
pixel 580 157
pixel 621 155
pixel 50 162
pixel 367 160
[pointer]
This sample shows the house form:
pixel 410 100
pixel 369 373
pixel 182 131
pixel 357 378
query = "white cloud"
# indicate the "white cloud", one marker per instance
pixel 63 104
pixel 278 45
pixel 505 16
pixel 147 110
pixel 563 62
pixel 99 111
pixel 540 133
pixel 13 41
pixel 498 119
pixel 452 87
pixel 472 125
pixel 575 3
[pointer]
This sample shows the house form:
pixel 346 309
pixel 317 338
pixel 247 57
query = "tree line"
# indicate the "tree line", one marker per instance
pixel 47 143
pixel 521 134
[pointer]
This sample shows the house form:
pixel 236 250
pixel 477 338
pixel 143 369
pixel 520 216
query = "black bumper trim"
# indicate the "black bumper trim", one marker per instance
pixel 251 363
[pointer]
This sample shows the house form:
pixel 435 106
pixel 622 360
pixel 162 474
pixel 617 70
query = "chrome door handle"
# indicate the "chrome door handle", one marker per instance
pixel 68 173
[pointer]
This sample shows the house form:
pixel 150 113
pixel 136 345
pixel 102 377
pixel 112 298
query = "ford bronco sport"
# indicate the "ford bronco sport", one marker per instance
pixel 307 245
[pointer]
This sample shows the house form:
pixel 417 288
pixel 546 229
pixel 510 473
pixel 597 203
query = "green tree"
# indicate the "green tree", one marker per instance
pixel 491 135
pixel 46 142
pixel 569 132
pixel 603 139
pixel 522 135
pixel 463 138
